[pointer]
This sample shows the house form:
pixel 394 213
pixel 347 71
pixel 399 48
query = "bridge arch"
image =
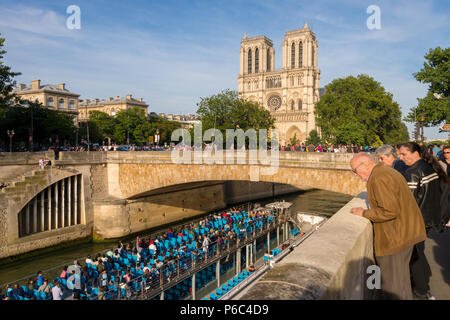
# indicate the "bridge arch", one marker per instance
pixel 57 206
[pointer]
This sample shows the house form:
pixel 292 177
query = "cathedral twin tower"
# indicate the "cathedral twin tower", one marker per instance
pixel 290 93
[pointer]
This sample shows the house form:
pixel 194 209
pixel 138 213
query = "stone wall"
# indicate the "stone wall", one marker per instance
pixel 330 264
pixel 17 195
pixel 119 218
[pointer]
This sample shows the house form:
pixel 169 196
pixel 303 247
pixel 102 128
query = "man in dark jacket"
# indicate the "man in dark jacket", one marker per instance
pixel 424 182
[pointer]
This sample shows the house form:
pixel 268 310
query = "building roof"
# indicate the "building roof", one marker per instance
pixel 301 30
pixel 53 88
pixel 179 117
pixel 112 100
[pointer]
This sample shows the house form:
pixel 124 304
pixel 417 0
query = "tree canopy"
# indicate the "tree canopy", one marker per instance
pixel 132 123
pixel 435 111
pixel 48 125
pixel 7 82
pixel 313 137
pixel 436 71
pixel 227 111
pixel 359 110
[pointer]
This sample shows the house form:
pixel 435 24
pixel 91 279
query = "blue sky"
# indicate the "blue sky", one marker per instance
pixel 171 53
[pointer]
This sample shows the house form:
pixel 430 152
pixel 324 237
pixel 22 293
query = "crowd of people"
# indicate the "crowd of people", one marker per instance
pixel 409 194
pixel 323 147
pixel 147 262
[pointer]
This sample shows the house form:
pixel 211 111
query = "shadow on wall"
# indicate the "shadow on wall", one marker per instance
pixel 284 283
pixel 200 195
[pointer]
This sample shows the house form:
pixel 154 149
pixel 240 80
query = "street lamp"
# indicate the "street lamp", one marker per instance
pixel 422 121
pixel 87 125
pixel 157 137
pixel 10 135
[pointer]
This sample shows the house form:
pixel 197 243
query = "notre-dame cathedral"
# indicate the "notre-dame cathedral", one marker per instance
pixel 290 93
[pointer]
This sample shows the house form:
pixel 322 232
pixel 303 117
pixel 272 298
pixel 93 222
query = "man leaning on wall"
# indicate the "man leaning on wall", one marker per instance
pixel 397 223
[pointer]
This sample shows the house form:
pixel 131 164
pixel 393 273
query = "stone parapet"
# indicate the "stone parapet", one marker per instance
pixel 24 158
pixel 330 264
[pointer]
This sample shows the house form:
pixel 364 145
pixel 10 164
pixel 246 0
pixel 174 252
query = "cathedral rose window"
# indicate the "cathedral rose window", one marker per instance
pixel 274 102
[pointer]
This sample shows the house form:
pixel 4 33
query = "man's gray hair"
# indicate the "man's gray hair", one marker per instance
pixel 386 150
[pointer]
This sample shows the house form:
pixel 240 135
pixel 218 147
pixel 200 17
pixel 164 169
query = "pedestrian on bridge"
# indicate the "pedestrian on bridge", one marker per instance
pixel 397 223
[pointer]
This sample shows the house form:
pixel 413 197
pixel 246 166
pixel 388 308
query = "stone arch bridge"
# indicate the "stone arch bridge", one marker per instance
pixel 114 194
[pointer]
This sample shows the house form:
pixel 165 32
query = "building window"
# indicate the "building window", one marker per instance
pixel 292 106
pixel 273 82
pixel 300 54
pixel 250 61
pixel 268 59
pixel 299 104
pixel 50 102
pixel 71 104
pixel 61 103
pixel 293 56
pixel 256 60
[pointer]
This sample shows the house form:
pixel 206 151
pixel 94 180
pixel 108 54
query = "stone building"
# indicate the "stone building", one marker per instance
pixel 111 106
pixel 55 97
pixel 290 93
pixel 186 121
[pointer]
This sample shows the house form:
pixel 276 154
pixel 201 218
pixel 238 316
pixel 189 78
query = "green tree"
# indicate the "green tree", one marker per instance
pixel 435 71
pixel 103 123
pixel 435 111
pixel 359 110
pixel 48 124
pixel 165 127
pixel 131 123
pixel 313 137
pixel 227 111
pixel 7 83
pixel 293 140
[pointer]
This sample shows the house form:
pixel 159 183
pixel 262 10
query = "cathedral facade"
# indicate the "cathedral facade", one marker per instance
pixel 290 93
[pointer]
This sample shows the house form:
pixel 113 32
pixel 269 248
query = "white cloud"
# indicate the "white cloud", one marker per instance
pixel 35 21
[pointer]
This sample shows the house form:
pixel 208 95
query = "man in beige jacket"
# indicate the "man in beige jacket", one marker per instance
pixel 397 223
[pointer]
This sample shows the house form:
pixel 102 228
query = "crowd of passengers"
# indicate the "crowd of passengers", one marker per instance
pixel 147 261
